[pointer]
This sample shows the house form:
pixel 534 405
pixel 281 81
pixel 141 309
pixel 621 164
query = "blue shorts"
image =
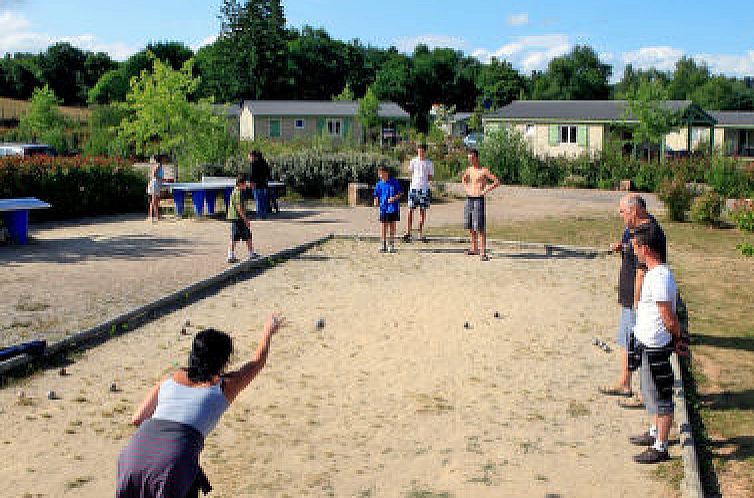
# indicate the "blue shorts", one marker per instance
pixel 625 326
pixel 419 198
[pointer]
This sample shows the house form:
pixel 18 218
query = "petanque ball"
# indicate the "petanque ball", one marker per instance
pixel 63 372
pixel 497 314
pixel 187 323
pixel 113 388
pixel 466 325
pixel 320 324
pixel 183 331
pixel 52 395
pixel 21 394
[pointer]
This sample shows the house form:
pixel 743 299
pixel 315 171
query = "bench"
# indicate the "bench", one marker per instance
pixel 16 216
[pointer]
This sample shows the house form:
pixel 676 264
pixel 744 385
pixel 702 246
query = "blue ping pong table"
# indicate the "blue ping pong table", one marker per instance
pixel 15 213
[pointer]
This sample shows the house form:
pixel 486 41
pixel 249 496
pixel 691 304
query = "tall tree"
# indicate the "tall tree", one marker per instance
pixel 62 67
pixel 499 83
pixel 687 77
pixel 43 121
pixel 655 119
pixel 578 75
pixel 368 113
pixel 256 30
pixel 161 119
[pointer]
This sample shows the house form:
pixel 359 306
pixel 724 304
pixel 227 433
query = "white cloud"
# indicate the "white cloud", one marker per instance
pixel 665 57
pixel 207 41
pixel 521 19
pixel 408 45
pixel 662 57
pixel 529 53
pixel 15 36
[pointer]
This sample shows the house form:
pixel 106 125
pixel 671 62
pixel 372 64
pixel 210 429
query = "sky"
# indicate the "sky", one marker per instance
pixel 529 33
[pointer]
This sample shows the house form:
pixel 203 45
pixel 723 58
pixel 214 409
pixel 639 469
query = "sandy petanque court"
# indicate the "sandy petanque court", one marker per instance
pixel 393 397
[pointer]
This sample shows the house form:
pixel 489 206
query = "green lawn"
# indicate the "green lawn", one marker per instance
pixel 717 283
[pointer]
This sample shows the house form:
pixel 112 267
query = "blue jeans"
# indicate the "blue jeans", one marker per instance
pixel 263 202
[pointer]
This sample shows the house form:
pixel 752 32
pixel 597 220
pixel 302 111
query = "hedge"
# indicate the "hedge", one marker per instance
pixel 75 186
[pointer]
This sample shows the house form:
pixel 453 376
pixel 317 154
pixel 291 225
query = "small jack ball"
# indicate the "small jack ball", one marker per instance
pixel 320 323
pixel 466 325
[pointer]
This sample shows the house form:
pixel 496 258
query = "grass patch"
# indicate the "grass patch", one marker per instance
pixel 77 482
pixel 715 280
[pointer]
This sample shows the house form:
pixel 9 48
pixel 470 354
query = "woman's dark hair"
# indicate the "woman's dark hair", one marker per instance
pixel 209 355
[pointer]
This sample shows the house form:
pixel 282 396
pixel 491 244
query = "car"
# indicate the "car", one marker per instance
pixel 26 150
pixel 473 139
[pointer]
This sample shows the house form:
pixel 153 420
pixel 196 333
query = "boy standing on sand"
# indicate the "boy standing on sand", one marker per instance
pixel 475 182
pixel 422 171
pixel 387 194
pixel 240 226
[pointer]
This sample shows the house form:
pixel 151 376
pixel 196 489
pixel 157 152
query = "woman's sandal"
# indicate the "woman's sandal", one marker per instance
pixel 614 391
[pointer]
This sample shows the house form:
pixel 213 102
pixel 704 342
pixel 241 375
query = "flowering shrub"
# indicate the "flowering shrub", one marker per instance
pixel 677 198
pixel 75 186
pixel 707 208
pixel 742 214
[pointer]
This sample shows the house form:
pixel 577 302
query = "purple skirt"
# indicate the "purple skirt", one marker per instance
pixel 161 460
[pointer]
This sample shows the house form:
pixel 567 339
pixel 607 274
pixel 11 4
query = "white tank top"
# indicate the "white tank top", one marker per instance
pixel 199 407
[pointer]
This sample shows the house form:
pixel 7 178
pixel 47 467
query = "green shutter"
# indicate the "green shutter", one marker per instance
pixel 554 134
pixel 274 128
pixel 582 136
pixel 346 127
pixel 320 126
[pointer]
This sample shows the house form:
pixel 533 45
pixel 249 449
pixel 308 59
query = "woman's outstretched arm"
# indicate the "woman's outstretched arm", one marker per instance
pixel 235 382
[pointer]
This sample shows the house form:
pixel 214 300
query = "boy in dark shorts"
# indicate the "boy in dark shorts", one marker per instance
pixel 240 226
pixel 387 194
pixel 478 182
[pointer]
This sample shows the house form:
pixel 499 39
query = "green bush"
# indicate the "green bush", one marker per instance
pixel 676 197
pixel 728 177
pixel 315 173
pixel 75 186
pixel 706 208
pixel 742 215
pixel 746 249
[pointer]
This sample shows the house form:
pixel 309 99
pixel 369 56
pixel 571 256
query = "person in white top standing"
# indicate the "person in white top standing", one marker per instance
pixel 658 333
pixel 422 171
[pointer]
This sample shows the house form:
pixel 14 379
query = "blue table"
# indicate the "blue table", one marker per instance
pixel 201 193
pixel 16 215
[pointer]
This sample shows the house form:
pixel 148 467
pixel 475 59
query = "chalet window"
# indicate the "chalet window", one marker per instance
pixel 299 124
pixel 334 127
pixel 529 130
pixel 568 134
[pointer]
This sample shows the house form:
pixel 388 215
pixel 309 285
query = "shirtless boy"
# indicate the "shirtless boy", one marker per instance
pixel 477 181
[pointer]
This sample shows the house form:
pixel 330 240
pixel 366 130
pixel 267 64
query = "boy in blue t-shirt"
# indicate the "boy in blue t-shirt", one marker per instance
pixel 387 194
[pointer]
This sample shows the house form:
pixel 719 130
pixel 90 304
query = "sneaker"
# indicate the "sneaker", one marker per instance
pixel 252 255
pixel 644 439
pixel 406 237
pixel 232 260
pixel 383 249
pixel 391 249
pixel 651 455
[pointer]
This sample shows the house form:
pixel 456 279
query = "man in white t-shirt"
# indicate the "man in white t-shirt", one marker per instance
pixel 422 171
pixel 658 333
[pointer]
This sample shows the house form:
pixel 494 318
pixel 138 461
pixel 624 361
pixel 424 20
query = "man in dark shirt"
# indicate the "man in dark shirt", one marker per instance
pixel 259 173
pixel 633 210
